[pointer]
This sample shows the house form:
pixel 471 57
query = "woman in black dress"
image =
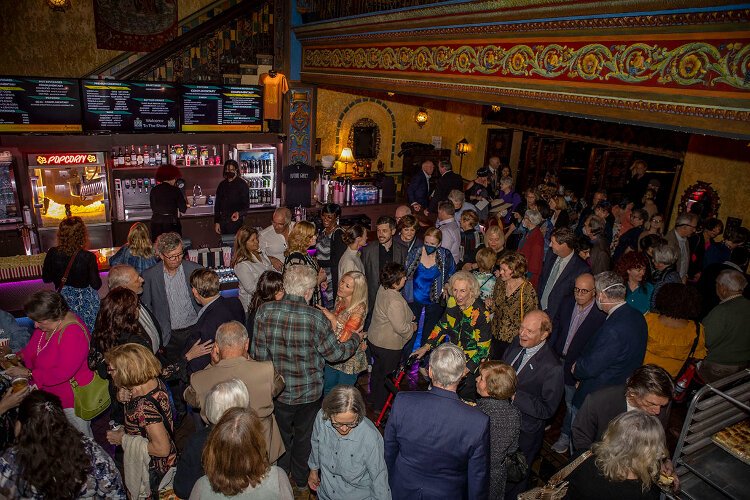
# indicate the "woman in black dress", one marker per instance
pixel 80 285
pixel 166 201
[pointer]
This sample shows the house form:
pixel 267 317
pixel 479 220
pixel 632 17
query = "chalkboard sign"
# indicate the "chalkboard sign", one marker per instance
pixel 39 105
pixel 222 108
pixel 113 106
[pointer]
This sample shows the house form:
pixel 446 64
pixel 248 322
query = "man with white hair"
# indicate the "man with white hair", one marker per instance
pixel 298 339
pixel 726 328
pixel 619 346
pixel 684 227
pixel 437 446
pixel 273 239
pixel 229 361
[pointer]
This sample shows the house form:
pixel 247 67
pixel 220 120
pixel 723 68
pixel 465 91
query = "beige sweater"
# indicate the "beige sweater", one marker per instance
pixel 392 320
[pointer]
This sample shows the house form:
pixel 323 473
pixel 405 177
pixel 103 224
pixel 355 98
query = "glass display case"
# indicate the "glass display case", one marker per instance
pixel 10 211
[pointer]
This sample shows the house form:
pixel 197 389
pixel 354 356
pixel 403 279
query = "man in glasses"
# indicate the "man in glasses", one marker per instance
pixel 684 227
pixel 167 293
pixel 576 323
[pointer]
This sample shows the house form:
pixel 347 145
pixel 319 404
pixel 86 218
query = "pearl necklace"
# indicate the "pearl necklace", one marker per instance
pixel 39 346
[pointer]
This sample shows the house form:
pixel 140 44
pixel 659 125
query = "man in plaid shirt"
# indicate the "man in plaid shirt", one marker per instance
pixel 298 339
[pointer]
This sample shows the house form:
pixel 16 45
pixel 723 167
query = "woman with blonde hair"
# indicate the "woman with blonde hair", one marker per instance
pixel 494 239
pixel 74 270
pixel 625 463
pixel 303 236
pixel 249 262
pixel 138 252
pixel 559 207
pixel 236 462
pixel 513 297
pixel 149 423
pixel 348 316
pixel 467 324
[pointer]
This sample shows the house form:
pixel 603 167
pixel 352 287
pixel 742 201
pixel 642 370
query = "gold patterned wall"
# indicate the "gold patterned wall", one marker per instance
pixel 453 121
pixel 723 163
pixel 37 41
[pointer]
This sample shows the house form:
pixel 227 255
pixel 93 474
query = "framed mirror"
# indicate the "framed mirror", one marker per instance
pixel 700 199
pixel 364 139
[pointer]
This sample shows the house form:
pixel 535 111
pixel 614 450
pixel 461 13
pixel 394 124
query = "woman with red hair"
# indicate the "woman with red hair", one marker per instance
pixel 633 266
pixel 166 201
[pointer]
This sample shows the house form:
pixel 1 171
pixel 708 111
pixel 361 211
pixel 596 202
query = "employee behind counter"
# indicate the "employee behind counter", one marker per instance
pixel 232 200
pixel 166 201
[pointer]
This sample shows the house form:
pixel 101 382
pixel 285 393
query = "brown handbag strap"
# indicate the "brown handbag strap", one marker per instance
pixel 67 271
pixel 565 471
pixel 523 285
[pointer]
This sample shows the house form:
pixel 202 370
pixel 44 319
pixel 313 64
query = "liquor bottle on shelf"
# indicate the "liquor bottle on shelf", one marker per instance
pixel 164 157
pixel 133 156
pixel 120 158
pixel 139 157
pixel 157 156
pixel 126 158
pixel 146 156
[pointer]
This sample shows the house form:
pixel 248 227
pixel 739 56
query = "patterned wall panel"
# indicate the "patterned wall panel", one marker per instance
pixel 300 133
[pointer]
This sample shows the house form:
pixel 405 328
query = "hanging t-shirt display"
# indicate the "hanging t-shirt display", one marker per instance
pixel 274 89
pixel 298 179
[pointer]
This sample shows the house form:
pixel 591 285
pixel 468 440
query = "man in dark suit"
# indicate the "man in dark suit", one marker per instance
pixel 561 268
pixel 437 446
pixel 418 190
pixel 166 293
pixel 648 389
pixel 215 311
pixel 576 323
pixel 376 255
pixel 448 181
pixel 540 385
pixel 617 349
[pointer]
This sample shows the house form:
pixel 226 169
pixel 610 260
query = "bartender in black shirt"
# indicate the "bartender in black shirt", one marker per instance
pixel 166 201
pixel 232 200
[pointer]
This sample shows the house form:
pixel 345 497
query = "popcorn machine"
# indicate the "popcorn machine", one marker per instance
pixel 70 184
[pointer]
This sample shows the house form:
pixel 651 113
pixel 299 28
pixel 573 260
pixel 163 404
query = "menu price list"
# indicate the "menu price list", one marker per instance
pixel 129 106
pixel 221 108
pixel 39 105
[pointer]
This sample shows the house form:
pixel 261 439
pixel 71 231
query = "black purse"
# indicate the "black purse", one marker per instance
pixel 516 466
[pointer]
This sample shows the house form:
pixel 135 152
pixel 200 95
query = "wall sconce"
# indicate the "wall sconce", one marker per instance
pixel 421 117
pixel 58 5
pixel 346 158
pixel 462 147
pixel 496 108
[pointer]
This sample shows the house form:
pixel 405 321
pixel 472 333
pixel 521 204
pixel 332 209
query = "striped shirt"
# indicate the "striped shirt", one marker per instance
pixel 181 311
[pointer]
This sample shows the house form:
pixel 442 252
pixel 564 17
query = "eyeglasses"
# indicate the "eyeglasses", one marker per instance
pixel 581 291
pixel 172 257
pixel 338 425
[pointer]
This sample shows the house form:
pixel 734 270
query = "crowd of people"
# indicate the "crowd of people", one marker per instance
pixel 514 305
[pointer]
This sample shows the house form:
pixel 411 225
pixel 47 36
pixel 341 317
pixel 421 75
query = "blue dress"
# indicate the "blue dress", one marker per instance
pixel 423 278
pixel 640 298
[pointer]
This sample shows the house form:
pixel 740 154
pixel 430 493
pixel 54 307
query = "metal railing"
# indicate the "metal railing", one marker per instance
pixel 324 10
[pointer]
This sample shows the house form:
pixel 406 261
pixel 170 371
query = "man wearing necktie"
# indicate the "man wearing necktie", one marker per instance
pixel 540 385
pixel 561 268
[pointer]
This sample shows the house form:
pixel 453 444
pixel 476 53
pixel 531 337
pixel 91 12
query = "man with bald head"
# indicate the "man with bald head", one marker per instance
pixel 577 320
pixel 123 275
pixel 402 211
pixel 540 384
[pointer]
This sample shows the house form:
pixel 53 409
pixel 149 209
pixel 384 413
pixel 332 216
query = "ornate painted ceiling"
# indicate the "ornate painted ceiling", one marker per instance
pixel 676 64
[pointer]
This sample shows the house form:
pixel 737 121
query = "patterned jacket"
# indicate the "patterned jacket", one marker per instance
pixel 468 329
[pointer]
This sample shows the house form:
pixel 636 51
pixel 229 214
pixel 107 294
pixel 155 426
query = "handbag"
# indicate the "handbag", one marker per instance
pixel 92 399
pixel 688 374
pixel 557 487
pixel 516 466
pixel 67 271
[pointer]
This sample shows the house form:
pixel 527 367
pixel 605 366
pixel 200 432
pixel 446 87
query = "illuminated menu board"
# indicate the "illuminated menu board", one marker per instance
pixel 129 106
pixel 39 105
pixel 222 108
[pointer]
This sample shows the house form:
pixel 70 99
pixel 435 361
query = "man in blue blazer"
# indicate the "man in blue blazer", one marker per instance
pixel 418 190
pixel 576 323
pixel 540 385
pixel 437 446
pixel 617 349
pixel 561 268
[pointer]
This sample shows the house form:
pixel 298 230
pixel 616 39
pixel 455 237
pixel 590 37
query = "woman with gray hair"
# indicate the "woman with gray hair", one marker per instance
pixel 531 245
pixel 467 324
pixel 664 269
pixel 225 395
pixel 625 463
pixel 347 458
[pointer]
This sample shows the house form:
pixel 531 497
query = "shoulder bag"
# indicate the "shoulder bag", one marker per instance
pixel 557 487
pixel 92 399
pixel 516 466
pixel 67 270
